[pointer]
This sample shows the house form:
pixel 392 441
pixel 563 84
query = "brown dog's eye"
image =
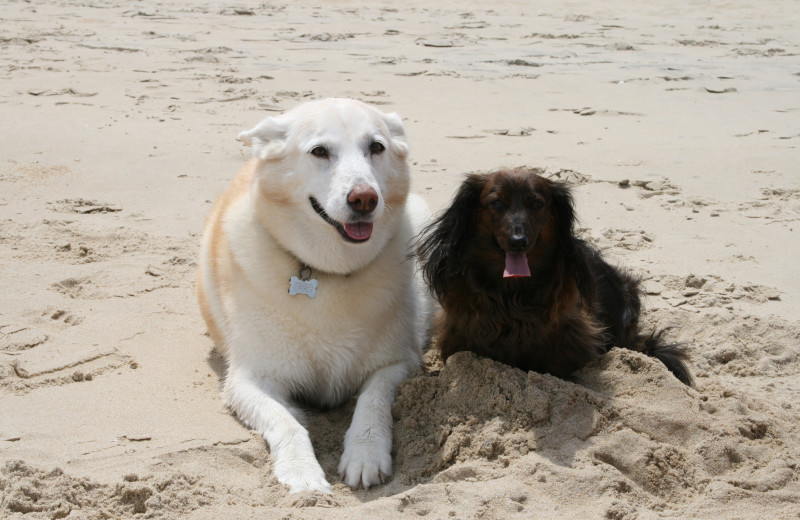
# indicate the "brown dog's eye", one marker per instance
pixel 498 205
pixel 320 151
pixel 376 147
pixel 536 204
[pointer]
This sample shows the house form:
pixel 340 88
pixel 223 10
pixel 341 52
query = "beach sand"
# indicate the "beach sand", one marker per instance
pixel 677 124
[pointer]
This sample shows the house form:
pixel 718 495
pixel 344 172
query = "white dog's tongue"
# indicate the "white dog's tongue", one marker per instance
pixel 516 266
pixel 358 230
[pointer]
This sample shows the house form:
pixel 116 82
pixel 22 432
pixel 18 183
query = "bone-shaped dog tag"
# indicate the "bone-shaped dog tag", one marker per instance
pixel 307 287
pixel 303 284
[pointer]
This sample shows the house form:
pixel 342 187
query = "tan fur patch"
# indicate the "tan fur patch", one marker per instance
pixel 211 324
pixel 220 259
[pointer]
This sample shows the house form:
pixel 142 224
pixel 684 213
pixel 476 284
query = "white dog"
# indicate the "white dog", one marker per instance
pixel 306 285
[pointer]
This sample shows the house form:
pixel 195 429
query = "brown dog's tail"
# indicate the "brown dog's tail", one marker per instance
pixel 673 355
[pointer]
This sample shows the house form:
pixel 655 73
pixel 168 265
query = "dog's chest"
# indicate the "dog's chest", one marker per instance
pixel 322 347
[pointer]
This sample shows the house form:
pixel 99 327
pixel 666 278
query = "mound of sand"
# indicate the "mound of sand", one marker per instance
pixel 627 437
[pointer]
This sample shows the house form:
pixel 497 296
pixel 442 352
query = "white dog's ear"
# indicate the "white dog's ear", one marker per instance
pixel 267 138
pixel 397 131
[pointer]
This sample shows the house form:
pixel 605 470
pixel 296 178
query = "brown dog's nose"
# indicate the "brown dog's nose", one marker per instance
pixel 518 243
pixel 362 199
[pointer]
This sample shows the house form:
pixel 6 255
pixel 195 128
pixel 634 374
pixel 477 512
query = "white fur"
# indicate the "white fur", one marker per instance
pixel 364 331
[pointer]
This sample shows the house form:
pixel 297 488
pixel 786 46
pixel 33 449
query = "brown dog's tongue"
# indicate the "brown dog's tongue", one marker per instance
pixel 516 266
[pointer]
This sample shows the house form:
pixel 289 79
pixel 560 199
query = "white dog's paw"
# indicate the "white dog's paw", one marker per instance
pixel 302 476
pixel 366 463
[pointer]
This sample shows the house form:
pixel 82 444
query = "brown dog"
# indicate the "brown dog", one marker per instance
pixel 517 285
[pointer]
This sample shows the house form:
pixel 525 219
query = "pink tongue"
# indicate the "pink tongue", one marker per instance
pixel 359 230
pixel 516 266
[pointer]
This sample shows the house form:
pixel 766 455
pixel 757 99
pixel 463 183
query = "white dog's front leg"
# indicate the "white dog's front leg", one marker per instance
pixel 264 408
pixel 367 456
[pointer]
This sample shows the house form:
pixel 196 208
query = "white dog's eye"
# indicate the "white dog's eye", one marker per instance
pixel 376 147
pixel 320 151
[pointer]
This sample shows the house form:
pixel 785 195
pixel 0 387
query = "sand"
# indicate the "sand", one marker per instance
pixel 677 124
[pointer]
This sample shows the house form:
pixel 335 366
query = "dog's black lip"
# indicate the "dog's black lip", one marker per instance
pixel 327 218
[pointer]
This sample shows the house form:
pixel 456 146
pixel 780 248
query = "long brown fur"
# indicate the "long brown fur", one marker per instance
pixel 571 310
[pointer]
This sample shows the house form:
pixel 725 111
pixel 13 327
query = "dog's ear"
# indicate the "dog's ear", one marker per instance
pixel 441 243
pixel 397 133
pixel 267 138
pixel 564 213
pixel 575 254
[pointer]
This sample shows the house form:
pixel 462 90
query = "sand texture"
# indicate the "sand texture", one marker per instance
pixel 676 123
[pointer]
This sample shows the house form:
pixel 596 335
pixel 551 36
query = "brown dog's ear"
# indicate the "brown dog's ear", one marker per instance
pixel 564 212
pixel 441 243
pixel 575 254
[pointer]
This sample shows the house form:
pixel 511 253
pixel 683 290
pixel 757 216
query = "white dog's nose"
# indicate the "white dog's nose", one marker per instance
pixel 362 199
